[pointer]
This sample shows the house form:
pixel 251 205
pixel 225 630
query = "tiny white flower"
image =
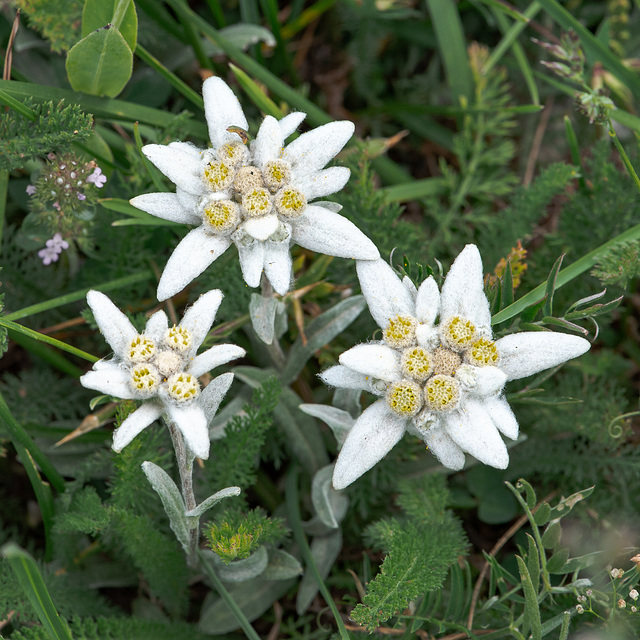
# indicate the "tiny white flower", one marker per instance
pixel 160 367
pixel 442 382
pixel 579 608
pixel 257 196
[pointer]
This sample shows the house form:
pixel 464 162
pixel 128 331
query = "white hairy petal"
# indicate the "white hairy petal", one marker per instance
pixel 407 283
pixel 373 435
pixel 502 415
pixel 383 291
pixel 345 378
pixel 526 353
pixel 113 324
pixel 324 231
pixel 111 380
pixel 322 183
pixel 214 357
pixel 157 326
pixel 213 393
pixel 444 448
pixel 199 317
pixel 261 228
pixel 195 252
pixel 251 261
pixel 312 150
pixel 139 420
pixel 291 122
pixel 428 301
pixel 489 381
pixel 473 430
pixel 222 110
pixel 376 360
pixel 463 290
pixel 268 142
pixel 166 206
pixel 183 169
pixel 190 201
pixel 278 266
pixel 192 422
pixel 187 147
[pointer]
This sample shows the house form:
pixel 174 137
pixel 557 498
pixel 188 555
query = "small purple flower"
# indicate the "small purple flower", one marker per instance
pixel 30 189
pixel 48 255
pixel 56 205
pixel 81 196
pixel 97 178
pixel 57 243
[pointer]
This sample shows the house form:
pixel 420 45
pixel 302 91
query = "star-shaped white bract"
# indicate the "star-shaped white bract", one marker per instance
pixel 444 381
pixel 256 196
pixel 161 368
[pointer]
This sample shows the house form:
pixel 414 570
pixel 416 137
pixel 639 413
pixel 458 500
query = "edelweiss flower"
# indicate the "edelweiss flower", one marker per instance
pixel 256 196
pixel 441 382
pixel 160 366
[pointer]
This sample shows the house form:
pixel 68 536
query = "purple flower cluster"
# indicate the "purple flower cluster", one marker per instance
pixel 54 247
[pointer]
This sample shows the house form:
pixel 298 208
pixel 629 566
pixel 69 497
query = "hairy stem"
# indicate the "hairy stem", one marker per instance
pixel 275 348
pixel 185 459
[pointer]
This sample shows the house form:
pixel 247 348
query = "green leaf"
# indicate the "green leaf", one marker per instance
pixel 533 562
pixel 172 501
pixel 262 311
pixel 100 64
pixel 557 562
pixel 281 566
pixel 339 421
pixel 551 287
pixel 566 504
pixel 551 537
pixel 33 585
pixel 242 36
pixel 244 569
pixel 319 332
pixel 541 516
pixel 121 14
pixel 531 609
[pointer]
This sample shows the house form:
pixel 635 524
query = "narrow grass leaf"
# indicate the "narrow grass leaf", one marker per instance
pixel 532 620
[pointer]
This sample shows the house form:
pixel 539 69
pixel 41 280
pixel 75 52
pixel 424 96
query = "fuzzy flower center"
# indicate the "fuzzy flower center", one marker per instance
pixel 256 203
pixel 459 333
pixel 416 363
pixel 218 176
pixel 401 332
pixel 141 349
pixel 168 362
pixel 483 353
pixel 178 338
pixel 145 379
pixel 277 174
pixel 183 387
pixel 247 179
pixel 232 153
pixel 405 398
pixel 445 361
pixel 221 216
pixel 290 202
pixel 442 393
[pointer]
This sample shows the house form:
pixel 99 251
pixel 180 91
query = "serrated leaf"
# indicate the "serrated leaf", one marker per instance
pixel 172 501
pixel 324 550
pixel 551 537
pixel 319 332
pixel 100 64
pixel 32 584
pixel 532 620
pixel 211 501
pixel 281 566
pixel 542 514
pixel 330 505
pixel 119 13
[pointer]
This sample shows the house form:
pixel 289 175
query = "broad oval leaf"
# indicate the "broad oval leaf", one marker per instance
pixel 242 570
pixel 340 421
pixel 281 566
pixel 119 13
pixel 100 64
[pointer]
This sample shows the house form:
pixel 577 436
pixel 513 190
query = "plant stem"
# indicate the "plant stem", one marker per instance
pixel 275 348
pixel 624 156
pixel 185 458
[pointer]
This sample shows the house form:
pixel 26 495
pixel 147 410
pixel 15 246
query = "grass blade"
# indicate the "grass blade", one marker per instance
pixel 33 585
